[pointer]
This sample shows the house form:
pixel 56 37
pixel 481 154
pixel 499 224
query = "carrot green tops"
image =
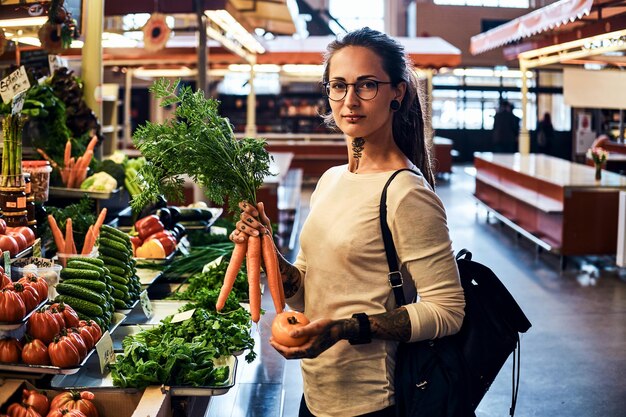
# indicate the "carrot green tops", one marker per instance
pixel 345 271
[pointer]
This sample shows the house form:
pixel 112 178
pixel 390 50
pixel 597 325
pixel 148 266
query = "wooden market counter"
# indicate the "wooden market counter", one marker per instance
pixel 556 203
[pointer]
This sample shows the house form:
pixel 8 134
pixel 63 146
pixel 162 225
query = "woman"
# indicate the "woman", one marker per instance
pixel 545 133
pixel 339 279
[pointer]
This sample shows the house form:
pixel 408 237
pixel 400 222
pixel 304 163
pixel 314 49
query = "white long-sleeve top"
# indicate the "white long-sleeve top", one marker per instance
pixel 342 261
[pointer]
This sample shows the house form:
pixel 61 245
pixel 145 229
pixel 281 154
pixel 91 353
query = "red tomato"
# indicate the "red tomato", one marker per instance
pixel 78 342
pixel 70 317
pixel 65 412
pixel 74 400
pixel 22 243
pixel 10 350
pixel 63 353
pixel 35 352
pixel 12 308
pixel 4 280
pixel 43 325
pixel 22 410
pixel 27 293
pixel 7 243
pixel 93 328
pixel 27 232
pixel 85 333
pixel 284 323
pixel 36 400
pixel 3 227
pixel 57 315
pixel 39 283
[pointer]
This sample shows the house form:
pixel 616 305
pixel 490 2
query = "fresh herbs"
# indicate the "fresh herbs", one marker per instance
pixel 199 143
pixel 185 353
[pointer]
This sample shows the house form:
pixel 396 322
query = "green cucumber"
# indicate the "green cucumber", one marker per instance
pixel 120 304
pixel 108 261
pixel 105 235
pixel 71 273
pixel 112 230
pixel 119 279
pixel 94 285
pixel 94 261
pixel 119 295
pixel 119 287
pixel 80 292
pixel 86 307
pixel 114 253
pixel 114 244
pixel 85 265
pixel 115 270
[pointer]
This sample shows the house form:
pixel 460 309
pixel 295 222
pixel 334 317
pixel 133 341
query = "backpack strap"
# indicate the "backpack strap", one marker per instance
pixel 395 276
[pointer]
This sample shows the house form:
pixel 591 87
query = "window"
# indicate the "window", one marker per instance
pixel 355 14
pixel 519 4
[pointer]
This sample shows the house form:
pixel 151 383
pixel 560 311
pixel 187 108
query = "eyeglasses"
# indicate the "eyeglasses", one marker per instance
pixel 364 89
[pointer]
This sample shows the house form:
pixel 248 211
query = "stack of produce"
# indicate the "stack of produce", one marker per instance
pixel 87 286
pixel 116 251
pixel 35 403
pixel 17 299
pixel 54 336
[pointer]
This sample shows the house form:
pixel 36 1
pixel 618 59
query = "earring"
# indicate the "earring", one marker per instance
pixel 357 149
pixel 394 105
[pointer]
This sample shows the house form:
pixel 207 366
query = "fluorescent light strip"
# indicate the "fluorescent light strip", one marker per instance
pixel 231 27
pixel 25 21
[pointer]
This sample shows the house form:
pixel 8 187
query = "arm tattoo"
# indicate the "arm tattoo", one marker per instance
pixel 393 325
pixel 290 276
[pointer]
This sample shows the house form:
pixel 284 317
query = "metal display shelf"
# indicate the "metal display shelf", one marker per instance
pixel 160 310
pixel 78 193
pixel 147 275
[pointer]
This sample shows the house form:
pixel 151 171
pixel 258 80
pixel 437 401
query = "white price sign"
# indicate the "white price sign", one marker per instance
pixel 104 347
pixel 185 315
pixel 146 305
pixel 13 84
pixel 55 62
pixel 7 263
pixel 18 103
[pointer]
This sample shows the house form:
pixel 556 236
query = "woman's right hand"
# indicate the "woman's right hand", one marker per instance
pixel 248 225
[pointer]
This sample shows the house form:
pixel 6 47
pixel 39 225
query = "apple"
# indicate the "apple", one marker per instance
pixel 8 243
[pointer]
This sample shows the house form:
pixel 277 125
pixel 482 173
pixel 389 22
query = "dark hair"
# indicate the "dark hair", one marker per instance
pixel 408 120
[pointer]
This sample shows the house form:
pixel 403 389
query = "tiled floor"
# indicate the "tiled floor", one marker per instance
pixel 573 358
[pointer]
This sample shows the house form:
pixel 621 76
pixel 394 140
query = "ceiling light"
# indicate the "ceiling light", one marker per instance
pixel 257 68
pixel 24 21
pixel 116 40
pixel 303 69
pixel 181 72
pixel 233 29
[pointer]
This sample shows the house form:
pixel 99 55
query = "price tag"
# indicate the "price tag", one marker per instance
pixel 218 231
pixel 13 84
pixel 7 263
pixel 104 347
pixel 185 315
pixel 212 264
pixel 146 305
pixel 18 103
pixel 55 62
pixel 37 248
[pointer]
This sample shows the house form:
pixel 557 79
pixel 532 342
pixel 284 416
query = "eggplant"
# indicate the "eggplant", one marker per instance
pixel 161 202
pixel 194 214
pixel 179 230
pixel 175 212
pixel 165 216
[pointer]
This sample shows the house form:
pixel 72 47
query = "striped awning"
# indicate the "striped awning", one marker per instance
pixel 538 21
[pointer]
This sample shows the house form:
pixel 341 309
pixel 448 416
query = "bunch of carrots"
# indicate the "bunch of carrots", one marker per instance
pixel 74 170
pixel 253 250
pixel 66 244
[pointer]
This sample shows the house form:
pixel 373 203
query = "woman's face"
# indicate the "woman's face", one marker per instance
pixel 355 116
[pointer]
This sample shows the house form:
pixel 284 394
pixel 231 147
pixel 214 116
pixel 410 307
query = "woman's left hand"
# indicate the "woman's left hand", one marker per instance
pixel 323 334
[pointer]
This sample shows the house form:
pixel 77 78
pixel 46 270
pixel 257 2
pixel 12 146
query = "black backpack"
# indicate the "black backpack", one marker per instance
pixel 450 376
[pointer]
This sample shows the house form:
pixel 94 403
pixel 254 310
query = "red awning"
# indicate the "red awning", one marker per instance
pixel 540 20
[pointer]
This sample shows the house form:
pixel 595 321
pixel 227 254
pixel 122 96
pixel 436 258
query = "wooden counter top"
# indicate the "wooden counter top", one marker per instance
pixel 554 170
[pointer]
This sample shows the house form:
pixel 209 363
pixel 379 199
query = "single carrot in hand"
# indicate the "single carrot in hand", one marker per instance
pixel 56 233
pixel 273 279
pixel 70 248
pixel 234 265
pixel 90 240
pixel 253 266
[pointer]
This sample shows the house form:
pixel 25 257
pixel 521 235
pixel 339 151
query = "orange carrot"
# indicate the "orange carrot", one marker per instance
pixel 56 233
pixel 253 266
pixel 90 240
pixel 70 248
pixel 281 288
pixel 92 144
pixel 99 222
pixel 273 279
pixel 234 265
pixel 81 168
pixel 68 153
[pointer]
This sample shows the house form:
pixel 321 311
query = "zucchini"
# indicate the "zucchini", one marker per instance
pixel 112 230
pixel 80 292
pixel 94 285
pixel 72 273
pixel 94 261
pixel 114 253
pixel 85 265
pixel 86 307
pixel 108 261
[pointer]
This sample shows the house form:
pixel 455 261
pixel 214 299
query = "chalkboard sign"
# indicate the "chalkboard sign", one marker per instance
pixel 36 59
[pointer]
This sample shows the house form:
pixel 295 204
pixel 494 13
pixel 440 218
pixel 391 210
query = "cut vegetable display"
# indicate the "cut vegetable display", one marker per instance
pixel 197 142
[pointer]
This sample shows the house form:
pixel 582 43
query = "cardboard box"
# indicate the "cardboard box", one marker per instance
pixel 110 402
